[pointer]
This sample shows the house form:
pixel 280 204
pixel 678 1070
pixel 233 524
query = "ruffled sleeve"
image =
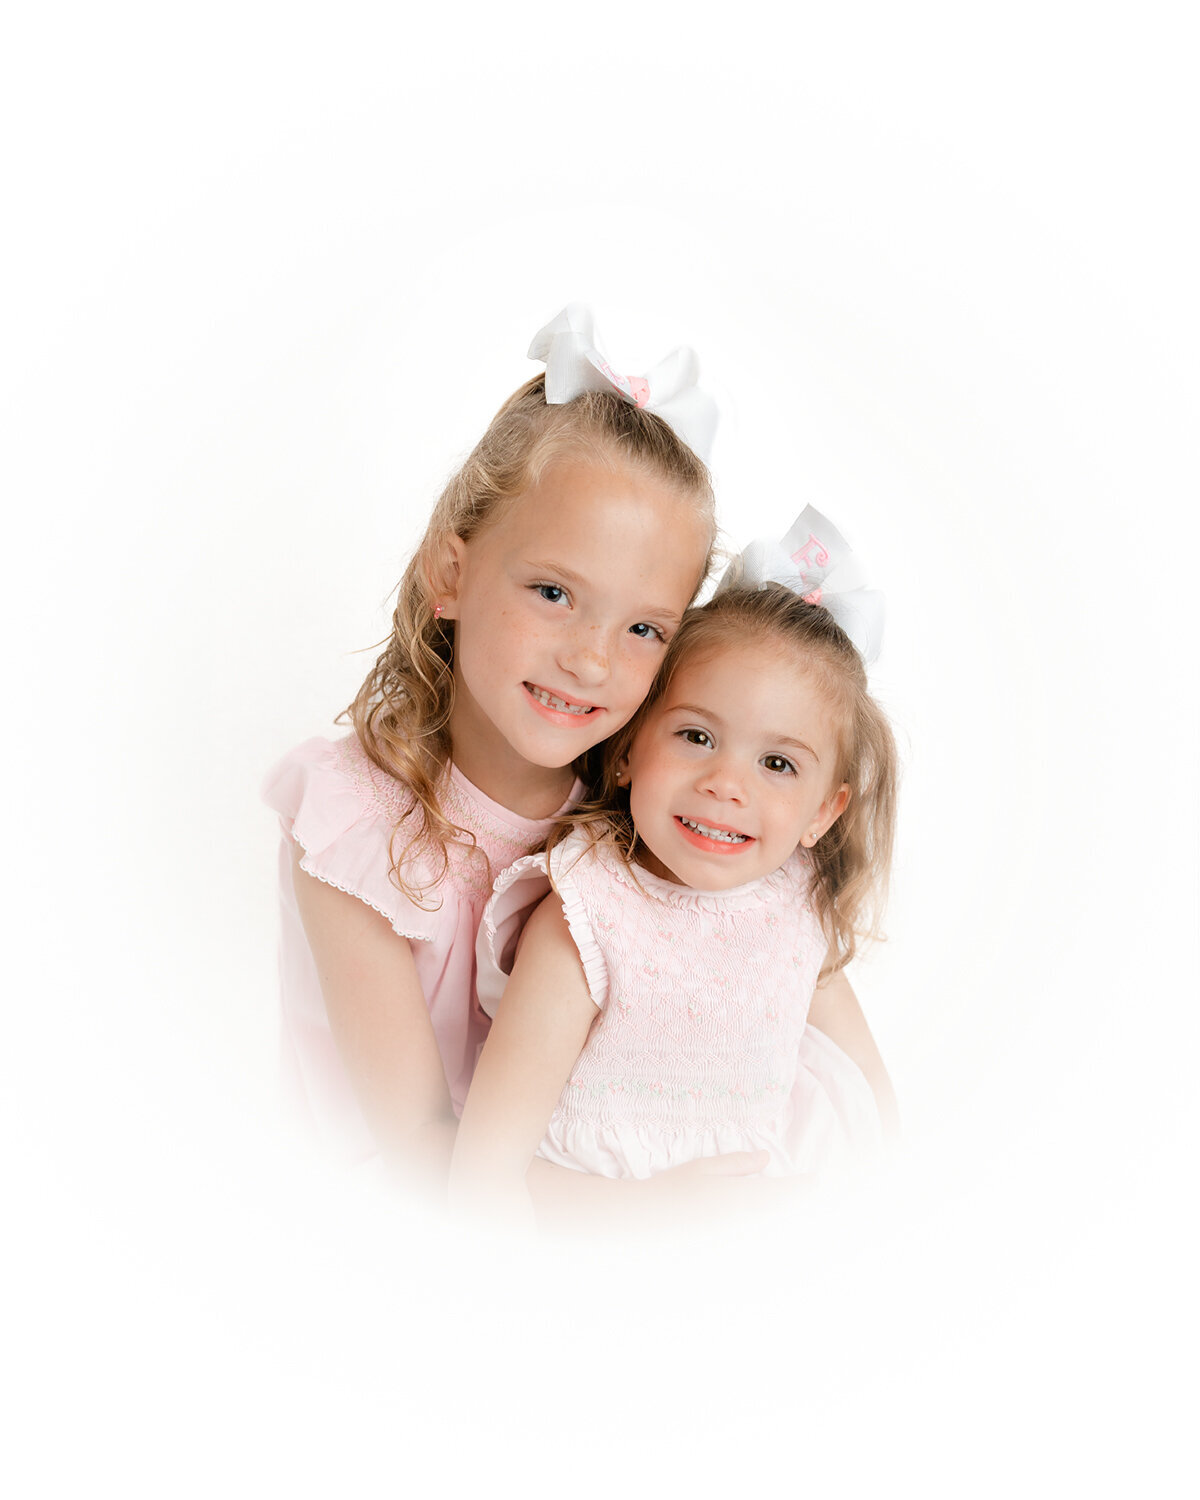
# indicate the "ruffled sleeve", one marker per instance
pixel 517 891
pixel 342 810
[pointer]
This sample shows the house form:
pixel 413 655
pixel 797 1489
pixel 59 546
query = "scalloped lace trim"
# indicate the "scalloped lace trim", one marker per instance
pixel 420 937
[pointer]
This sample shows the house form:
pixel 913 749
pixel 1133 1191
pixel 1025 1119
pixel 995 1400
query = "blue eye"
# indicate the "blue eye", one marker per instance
pixel 550 592
pixel 645 631
pixel 779 764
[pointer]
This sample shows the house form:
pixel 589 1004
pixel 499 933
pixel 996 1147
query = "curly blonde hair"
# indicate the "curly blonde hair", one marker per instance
pixel 402 711
pixel 852 858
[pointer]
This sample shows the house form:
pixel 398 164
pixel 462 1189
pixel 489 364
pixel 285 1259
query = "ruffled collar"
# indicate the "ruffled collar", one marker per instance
pixel 484 815
pixel 788 883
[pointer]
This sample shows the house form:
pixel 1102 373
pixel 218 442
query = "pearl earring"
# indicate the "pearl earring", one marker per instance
pixel 437 610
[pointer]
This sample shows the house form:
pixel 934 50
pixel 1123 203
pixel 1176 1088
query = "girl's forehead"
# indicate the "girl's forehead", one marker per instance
pixel 759 679
pixel 602 522
pixel 745 656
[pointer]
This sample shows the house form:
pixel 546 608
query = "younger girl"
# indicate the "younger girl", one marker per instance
pixel 529 626
pixel 681 993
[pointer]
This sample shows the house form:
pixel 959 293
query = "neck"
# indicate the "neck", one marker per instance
pixel 529 791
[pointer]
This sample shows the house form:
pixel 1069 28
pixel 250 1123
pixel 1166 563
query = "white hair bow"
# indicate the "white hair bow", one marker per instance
pixel 574 365
pixel 815 561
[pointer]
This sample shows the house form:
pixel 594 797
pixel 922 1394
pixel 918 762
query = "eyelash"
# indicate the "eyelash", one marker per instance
pixel 658 634
pixel 544 589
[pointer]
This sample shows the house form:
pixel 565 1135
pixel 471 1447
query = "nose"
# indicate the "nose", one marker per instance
pixel 722 778
pixel 584 655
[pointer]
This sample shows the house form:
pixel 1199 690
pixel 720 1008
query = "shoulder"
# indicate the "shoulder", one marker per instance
pixel 341 811
pixel 557 889
pixel 323 778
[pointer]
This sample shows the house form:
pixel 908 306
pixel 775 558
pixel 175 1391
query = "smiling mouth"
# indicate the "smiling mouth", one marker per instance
pixel 718 835
pixel 560 705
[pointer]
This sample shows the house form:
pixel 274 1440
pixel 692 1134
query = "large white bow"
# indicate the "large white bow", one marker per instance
pixel 815 561
pixel 574 365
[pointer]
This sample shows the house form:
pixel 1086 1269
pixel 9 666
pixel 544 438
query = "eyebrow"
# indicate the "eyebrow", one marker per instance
pixel 659 611
pixel 706 713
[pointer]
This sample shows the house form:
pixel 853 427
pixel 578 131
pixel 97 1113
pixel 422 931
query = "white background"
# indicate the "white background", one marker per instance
pixel 268 271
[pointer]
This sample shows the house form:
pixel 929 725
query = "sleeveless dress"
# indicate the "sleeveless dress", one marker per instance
pixel 701 1045
pixel 342 810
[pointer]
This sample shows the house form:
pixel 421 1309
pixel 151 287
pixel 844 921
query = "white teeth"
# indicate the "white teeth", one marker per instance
pixel 721 836
pixel 560 704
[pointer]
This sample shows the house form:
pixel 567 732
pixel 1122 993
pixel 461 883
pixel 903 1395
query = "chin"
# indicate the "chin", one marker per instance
pixel 548 757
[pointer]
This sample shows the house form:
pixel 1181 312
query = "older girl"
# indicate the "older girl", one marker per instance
pixel 530 623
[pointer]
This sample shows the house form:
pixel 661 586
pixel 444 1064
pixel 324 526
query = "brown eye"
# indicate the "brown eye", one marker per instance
pixel 778 764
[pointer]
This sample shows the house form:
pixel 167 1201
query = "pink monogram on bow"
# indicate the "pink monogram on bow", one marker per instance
pixel 814 560
pixel 574 364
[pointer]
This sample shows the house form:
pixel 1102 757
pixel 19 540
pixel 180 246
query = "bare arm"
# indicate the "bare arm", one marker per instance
pixel 540 1027
pixel 836 1012
pixel 381 1025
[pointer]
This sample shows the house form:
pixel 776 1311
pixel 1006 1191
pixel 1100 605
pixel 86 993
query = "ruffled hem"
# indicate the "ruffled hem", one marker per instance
pixel 517 891
pixel 346 844
pixel 641 1151
pixel 829 1122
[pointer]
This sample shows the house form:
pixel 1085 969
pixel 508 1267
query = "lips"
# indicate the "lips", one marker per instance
pixel 558 708
pixel 713 838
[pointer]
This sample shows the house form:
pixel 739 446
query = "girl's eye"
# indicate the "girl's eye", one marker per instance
pixel 646 632
pixel 550 592
pixel 699 737
pixel 778 763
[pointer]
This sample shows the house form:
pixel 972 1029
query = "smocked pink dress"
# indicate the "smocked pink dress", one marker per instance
pixel 342 811
pixel 702 1044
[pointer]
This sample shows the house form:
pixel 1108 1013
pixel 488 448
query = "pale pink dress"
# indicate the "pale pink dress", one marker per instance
pixel 701 1044
pixel 342 810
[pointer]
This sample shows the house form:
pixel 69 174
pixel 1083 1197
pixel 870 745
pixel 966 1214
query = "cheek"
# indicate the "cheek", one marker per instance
pixel 639 667
pixel 649 774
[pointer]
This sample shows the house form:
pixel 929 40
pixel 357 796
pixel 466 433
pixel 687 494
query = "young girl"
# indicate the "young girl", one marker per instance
pixel 682 990
pixel 529 626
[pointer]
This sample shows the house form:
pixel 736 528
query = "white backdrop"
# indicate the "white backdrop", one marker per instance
pixel 269 272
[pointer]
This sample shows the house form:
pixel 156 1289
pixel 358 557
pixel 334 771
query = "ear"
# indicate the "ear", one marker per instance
pixel 827 815
pixel 623 771
pixel 444 574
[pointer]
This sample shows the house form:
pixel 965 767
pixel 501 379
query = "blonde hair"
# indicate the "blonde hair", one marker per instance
pixel 402 711
pixel 851 860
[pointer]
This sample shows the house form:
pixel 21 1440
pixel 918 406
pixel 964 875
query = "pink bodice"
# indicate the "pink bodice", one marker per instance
pixel 702 1044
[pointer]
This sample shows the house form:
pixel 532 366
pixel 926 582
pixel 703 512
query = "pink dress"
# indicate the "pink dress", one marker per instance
pixel 342 810
pixel 701 1045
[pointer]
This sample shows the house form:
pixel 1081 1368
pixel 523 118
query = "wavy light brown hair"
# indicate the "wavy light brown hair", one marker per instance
pixel 851 860
pixel 402 711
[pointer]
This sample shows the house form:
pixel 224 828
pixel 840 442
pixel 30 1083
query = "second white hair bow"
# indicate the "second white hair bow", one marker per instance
pixel 814 560
pixel 574 364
